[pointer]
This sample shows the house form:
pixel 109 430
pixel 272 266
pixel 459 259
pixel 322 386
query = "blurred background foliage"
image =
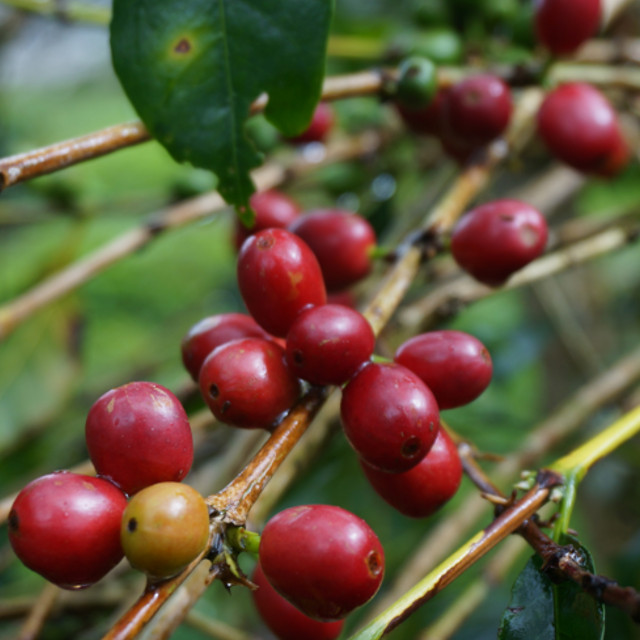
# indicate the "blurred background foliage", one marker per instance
pixel 126 323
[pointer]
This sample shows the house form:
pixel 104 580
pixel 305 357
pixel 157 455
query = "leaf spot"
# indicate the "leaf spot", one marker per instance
pixel 184 46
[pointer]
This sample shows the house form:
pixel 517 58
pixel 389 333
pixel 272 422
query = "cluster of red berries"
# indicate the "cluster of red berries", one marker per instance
pixel 576 122
pixel 249 370
pixel 73 529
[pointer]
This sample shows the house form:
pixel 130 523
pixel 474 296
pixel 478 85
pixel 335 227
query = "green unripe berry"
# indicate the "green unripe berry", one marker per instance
pixel 164 528
pixel 417 82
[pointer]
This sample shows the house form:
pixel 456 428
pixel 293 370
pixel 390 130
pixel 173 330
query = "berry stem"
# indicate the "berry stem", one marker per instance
pixel 243 540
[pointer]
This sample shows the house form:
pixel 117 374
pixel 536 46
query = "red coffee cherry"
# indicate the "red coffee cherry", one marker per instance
pixel 139 434
pixel 342 243
pixel 66 527
pixel 454 365
pixel 273 209
pixel 477 110
pixel 284 620
pixel 425 120
pixel 247 383
pixel 390 417
pixel 495 239
pixel 278 276
pixel 563 25
pixel 580 127
pixel 421 491
pixel 328 344
pixel 320 126
pixel 326 561
pixel 213 331
pixel 164 528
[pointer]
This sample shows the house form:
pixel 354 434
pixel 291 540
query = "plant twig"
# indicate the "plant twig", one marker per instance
pixel 71 277
pixel 562 560
pixel 214 628
pixel 542 438
pixel 464 289
pixel 67 11
pixel 505 524
pixel 39 613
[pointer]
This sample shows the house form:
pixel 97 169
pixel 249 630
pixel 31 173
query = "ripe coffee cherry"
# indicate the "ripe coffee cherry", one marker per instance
pixel 580 127
pixel 563 25
pixel 139 434
pixel 477 110
pixel 390 417
pixel 278 276
pixel 326 561
pixel 66 527
pixel 320 126
pixel 213 331
pixel 342 243
pixel 284 620
pixel 454 365
pixel 273 209
pixel 421 491
pixel 247 383
pixel 164 528
pixel 495 239
pixel 425 120
pixel 328 344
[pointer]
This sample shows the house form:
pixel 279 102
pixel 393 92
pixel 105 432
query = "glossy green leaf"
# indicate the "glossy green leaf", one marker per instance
pixel 542 610
pixel 192 68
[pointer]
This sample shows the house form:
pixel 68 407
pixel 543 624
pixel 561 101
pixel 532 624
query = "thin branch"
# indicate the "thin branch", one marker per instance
pixel 562 560
pixel 25 166
pixel 543 438
pixel 59 284
pixel 214 628
pixel 507 522
pixel 470 599
pixel 67 11
pixel 454 295
pixel 39 613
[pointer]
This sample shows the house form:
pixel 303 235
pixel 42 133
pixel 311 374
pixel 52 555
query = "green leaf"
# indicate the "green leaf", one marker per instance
pixel 542 610
pixel 192 68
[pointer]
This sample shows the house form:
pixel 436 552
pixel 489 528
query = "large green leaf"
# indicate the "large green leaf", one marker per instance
pixel 191 68
pixel 542 610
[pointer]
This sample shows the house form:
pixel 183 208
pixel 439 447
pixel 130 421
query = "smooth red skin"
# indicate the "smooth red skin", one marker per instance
pixel 323 559
pixel 139 434
pixel 320 126
pixel 283 619
pixel 390 417
pixel 421 491
pixel 66 527
pixel 254 383
pixel 341 241
pixel 496 239
pixel 456 366
pixel 328 344
pixel 477 110
pixel 213 331
pixel 563 25
pixel 273 209
pixel 426 120
pixel 580 127
pixel 278 276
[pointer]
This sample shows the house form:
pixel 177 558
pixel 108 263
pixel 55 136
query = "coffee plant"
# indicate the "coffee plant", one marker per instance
pixel 319 320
